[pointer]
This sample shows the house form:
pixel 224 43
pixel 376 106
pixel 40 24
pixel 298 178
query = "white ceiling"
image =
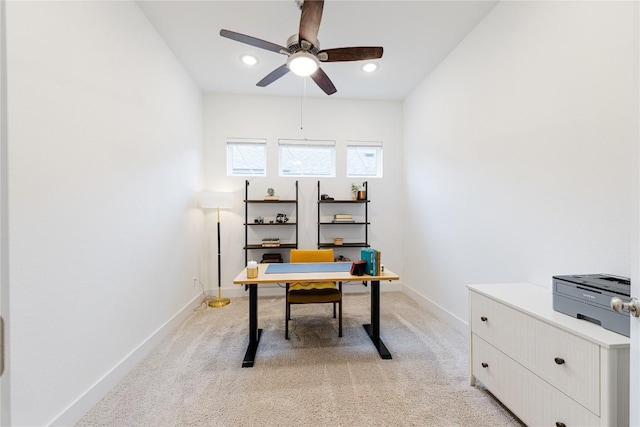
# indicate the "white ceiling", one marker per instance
pixel 416 36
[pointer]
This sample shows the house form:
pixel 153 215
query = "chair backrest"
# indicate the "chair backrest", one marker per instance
pixel 311 255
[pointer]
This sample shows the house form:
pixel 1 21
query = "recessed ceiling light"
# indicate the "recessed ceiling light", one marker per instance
pixel 249 60
pixel 369 67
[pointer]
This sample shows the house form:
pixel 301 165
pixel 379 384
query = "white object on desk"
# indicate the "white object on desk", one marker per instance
pixel 546 367
pixel 252 270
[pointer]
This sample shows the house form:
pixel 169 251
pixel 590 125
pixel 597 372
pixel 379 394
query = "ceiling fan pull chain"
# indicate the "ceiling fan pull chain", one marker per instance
pixel 303 98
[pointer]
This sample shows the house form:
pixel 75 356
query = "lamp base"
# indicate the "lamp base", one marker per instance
pixel 219 302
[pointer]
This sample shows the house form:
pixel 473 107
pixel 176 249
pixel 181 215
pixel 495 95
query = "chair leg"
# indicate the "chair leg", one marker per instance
pixel 334 310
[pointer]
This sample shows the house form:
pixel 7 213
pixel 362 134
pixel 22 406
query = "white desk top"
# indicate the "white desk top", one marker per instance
pixel 335 276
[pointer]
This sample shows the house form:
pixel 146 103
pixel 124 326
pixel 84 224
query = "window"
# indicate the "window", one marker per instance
pixel 247 157
pixel 364 159
pixel 307 158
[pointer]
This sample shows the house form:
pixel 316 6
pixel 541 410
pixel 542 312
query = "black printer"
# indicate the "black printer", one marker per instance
pixel 588 297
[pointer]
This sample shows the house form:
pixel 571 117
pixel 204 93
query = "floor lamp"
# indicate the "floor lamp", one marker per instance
pixel 217 201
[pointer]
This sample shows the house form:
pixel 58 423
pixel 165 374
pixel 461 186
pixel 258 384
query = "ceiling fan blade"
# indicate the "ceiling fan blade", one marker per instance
pixel 262 44
pixel 322 80
pixel 350 54
pixel 273 76
pixel 310 21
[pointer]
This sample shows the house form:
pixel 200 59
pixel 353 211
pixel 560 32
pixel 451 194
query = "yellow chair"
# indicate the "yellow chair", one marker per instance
pixel 313 292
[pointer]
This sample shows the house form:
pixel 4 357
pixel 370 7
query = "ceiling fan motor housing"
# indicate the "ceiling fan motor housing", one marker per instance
pixel 294 45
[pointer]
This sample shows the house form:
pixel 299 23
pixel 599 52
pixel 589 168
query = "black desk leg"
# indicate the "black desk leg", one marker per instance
pixel 373 330
pixel 254 332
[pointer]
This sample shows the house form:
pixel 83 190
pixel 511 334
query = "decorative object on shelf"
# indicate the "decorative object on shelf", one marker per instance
pixel 362 195
pixel 252 270
pixel 325 197
pixel 271 258
pixel 354 191
pixel 281 218
pixel 259 220
pixel 338 241
pixel 217 201
pixel 271 195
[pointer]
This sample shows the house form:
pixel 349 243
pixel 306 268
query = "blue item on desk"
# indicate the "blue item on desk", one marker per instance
pixel 301 267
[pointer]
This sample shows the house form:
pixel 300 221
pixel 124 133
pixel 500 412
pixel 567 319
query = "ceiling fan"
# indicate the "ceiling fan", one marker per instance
pixel 303 49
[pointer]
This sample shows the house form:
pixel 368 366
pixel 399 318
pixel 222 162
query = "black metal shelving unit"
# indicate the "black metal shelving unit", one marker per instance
pixel 255 246
pixel 364 224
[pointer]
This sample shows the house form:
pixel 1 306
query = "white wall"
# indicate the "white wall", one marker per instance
pixel 518 151
pixel 4 217
pixel 105 141
pixel 276 118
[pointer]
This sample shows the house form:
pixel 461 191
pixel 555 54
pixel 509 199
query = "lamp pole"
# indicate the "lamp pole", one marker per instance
pixel 219 302
pixel 210 200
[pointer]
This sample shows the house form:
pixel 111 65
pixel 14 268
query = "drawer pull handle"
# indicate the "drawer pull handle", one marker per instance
pixel 484 318
pixel 559 424
pixel 559 361
pixel 484 364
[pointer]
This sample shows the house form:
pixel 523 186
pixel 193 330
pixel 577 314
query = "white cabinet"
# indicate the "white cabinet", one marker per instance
pixel 546 367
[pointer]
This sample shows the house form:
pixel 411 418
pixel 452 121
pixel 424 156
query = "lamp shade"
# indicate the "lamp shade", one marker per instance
pixel 213 200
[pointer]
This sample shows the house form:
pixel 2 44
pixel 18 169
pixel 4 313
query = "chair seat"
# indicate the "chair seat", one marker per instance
pixel 314 296
pixel 308 286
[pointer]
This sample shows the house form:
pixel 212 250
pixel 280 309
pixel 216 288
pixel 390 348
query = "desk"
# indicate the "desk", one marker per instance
pixel 373 329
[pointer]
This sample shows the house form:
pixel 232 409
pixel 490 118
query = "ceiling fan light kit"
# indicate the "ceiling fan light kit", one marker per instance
pixel 303 49
pixel 303 63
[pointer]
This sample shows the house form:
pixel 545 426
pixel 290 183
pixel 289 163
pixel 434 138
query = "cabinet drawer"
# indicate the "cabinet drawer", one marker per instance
pixel 568 362
pixel 532 399
pixel 505 328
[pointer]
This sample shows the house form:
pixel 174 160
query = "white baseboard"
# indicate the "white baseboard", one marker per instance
pixel 74 412
pixel 446 316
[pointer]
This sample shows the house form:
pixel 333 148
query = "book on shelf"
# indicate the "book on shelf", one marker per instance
pixel 346 221
pixel 270 243
pixel 343 216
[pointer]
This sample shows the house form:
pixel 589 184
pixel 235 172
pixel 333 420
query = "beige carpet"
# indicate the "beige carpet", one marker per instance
pixel 195 378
